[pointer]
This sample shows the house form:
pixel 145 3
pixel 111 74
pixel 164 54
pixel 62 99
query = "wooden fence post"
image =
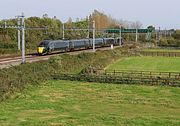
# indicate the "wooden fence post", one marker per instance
pixel 169 74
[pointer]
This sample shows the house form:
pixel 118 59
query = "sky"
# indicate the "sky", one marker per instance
pixel 159 13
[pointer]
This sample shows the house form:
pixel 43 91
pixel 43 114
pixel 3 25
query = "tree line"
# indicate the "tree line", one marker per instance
pixel 54 25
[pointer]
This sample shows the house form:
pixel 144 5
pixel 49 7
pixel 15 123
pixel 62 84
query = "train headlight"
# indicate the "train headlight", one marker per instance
pixel 40 50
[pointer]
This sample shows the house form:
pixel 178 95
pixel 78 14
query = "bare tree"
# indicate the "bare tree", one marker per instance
pixel 136 24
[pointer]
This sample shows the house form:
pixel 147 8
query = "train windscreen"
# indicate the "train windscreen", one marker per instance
pixel 44 43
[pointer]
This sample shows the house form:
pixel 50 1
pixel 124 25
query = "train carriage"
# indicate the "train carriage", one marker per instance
pixel 79 44
pixel 48 46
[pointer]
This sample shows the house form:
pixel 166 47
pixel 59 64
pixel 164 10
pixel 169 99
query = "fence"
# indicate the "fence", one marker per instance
pixel 126 77
pixel 147 74
pixel 165 54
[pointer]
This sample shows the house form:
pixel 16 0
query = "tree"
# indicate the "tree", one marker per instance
pixel 45 16
pixel 136 24
pixel 151 27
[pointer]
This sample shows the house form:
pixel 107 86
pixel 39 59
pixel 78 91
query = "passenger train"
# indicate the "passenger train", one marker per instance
pixel 50 46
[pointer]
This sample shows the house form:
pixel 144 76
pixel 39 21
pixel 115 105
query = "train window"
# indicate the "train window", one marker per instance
pixel 44 43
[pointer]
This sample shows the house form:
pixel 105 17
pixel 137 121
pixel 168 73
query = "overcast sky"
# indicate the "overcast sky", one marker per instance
pixel 163 13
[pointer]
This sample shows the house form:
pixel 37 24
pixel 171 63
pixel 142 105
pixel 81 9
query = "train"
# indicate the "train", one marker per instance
pixel 50 46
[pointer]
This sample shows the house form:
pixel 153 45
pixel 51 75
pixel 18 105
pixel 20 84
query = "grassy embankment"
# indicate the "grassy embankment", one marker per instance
pixel 19 77
pixel 74 103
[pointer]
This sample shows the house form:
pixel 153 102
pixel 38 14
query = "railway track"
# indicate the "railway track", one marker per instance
pixel 9 61
pixel 13 61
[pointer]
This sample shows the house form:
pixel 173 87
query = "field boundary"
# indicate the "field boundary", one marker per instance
pixel 135 73
pixel 126 77
pixel 158 53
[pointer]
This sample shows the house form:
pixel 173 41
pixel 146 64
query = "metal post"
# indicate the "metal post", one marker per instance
pixel 63 31
pixel 94 32
pixel 88 29
pixel 165 34
pixel 23 39
pixel 136 34
pixel 5 25
pixel 19 39
pixel 159 37
pixel 120 39
pixel 113 35
pixel 170 33
pixel 156 35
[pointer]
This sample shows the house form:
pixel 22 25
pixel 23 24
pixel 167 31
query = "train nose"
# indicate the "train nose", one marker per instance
pixel 40 50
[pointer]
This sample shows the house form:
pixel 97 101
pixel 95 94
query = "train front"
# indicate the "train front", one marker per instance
pixel 43 47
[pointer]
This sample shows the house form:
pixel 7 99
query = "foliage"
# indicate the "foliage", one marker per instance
pixel 33 37
pixel 18 77
pixel 169 42
pixel 72 34
pixel 176 35
pixel 78 63
pixel 151 27
pixel 8 47
pixel 173 41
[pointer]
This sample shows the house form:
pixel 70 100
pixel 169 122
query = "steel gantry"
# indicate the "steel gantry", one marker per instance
pixel 85 29
pixel 136 31
pixel 21 26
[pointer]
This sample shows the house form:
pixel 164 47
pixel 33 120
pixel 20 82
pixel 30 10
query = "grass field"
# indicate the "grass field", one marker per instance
pixel 66 103
pixel 169 64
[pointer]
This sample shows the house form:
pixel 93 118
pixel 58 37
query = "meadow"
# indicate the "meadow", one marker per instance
pixel 159 64
pixel 71 103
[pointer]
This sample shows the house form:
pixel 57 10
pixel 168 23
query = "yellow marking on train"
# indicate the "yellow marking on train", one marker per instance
pixel 40 49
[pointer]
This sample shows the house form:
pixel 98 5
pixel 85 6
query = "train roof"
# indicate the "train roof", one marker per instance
pixel 45 42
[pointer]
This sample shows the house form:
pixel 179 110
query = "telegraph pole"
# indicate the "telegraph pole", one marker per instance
pixel 159 36
pixel 5 25
pixel 63 31
pixel 23 39
pixel 94 32
pixel 120 34
pixel 136 34
pixel 19 39
pixel 88 29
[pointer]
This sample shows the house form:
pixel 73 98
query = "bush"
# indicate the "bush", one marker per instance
pixel 169 42
pixel 18 77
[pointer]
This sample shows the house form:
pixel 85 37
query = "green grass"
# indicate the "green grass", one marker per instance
pixel 66 103
pixel 169 64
